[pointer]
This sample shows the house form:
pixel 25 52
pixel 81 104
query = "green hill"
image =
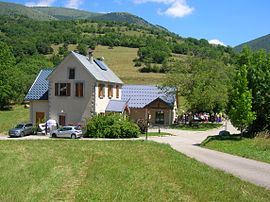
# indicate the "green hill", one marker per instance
pixel 58 13
pixel 12 9
pixel 66 13
pixel 256 44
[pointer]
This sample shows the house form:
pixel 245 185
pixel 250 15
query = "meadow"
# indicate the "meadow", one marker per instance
pixel 67 170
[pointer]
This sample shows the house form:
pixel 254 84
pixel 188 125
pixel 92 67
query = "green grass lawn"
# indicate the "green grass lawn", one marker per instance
pixel 257 148
pixel 66 170
pixel 9 119
pixel 198 127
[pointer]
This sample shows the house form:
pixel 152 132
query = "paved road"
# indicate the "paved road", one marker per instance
pixel 187 142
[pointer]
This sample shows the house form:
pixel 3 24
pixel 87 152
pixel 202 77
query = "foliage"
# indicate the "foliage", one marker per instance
pixel 258 76
pixel 111 126
pixel 113 171
pixel 9 78
pixel 240 107
pixel 203 82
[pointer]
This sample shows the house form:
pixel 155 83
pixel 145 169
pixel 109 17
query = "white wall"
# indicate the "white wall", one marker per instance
pixel 102 102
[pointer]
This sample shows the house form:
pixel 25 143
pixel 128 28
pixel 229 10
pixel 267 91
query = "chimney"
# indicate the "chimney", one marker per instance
pixel 90 55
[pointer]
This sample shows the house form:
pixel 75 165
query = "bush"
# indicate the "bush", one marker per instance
pixel 111 126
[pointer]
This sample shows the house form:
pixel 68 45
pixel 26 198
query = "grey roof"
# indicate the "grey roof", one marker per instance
pixel 138 96
pixel 116 106
pixel 39 89
pixel 97 70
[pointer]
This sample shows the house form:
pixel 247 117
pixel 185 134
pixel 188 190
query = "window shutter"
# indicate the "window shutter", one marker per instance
pixel 77 90
pixel 81 89
pixel 117 91
pixel 56 89
pixel 68 89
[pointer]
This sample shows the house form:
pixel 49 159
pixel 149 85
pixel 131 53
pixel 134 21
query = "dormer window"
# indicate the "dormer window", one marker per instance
pixel 71 73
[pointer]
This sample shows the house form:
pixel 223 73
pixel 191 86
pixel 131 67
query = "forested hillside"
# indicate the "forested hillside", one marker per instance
pixel 256 44
pixel 37 44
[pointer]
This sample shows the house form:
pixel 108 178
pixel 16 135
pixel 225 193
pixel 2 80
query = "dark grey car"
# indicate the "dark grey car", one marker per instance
pixel 21 130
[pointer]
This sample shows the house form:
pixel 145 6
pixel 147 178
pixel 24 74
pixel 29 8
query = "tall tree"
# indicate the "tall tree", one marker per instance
pixel 9 82
pixel 203 82
pixel 240 107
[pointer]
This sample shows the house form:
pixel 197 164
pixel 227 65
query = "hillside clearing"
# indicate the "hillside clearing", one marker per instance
pixel 9 119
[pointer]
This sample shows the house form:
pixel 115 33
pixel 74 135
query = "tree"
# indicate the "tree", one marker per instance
pixel 258 76
pixel 240 107
pixel 204 83
pixel 9 77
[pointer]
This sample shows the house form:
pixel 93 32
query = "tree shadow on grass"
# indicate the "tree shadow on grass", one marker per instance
pixel 233 137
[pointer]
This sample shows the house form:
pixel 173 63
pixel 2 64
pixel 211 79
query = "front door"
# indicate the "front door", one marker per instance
pixel 40 117
pixel 62 120
pixel 159 117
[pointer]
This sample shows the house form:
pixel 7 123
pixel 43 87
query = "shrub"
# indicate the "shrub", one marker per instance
pixel 111 126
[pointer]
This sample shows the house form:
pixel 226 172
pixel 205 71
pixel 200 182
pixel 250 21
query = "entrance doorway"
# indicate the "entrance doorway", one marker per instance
pixel 159 117
pixel 40 117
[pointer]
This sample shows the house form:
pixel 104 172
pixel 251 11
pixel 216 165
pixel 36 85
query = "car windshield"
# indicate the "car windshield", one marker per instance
pixel 19 126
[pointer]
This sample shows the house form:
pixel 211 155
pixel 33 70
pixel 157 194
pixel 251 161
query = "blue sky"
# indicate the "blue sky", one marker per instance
pixel 231 22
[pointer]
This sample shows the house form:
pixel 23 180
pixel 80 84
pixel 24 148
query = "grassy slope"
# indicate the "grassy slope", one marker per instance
pixel 112 171
pixel 10 118
pixel 258 148
pixel 119 59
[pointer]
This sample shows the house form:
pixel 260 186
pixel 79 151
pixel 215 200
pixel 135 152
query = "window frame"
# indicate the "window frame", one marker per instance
pixel 69 73
pixel 101 90
pixel 60 92
pixel 110 90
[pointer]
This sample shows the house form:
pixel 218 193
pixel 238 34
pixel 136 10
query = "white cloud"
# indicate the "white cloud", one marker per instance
pixel 177 8
pixel 73 3
pixel 216 42
pixel 42 3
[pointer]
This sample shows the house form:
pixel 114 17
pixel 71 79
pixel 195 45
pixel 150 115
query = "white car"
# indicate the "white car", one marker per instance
pixel 72 132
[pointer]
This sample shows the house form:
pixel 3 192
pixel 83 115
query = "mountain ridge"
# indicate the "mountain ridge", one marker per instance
pixel 61 13
pixel 262 42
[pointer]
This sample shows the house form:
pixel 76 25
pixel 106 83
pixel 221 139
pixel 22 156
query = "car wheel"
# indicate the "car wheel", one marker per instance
pixel 73 136
pixel 54 135
pixel 22 134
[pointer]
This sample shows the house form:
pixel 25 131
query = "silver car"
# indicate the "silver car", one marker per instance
pixel 72 132
pixel 21 130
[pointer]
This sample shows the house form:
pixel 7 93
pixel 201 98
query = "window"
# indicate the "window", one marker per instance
pixel 117 91
pixel 110 91
pixel 79 89
pixel 62 89
pixel 101 92
pixel 159 117
pixel 62 120
pixel 71 73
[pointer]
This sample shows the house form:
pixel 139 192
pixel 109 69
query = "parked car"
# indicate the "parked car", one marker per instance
pixel 21 130
pixel 72 132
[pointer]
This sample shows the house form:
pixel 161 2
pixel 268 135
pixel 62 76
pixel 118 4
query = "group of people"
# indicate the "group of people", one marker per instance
pixel 200 117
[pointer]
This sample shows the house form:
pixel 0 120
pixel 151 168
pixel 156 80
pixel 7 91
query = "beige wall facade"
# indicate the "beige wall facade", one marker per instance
pixel 38 106
pixel 75 109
